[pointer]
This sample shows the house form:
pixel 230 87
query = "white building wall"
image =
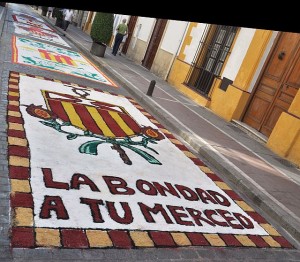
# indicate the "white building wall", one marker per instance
pixel 238 53
pixel 190 50
pixel 263 60
pixel 173 36
pixel 145 26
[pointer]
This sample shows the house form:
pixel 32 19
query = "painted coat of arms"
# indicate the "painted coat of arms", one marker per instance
pixel 32 21
pixel 50 57
pixel 39 33
pixel 100 121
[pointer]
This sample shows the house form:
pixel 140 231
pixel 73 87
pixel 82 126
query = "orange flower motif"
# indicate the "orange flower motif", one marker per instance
pixel 152 133
pixel 38 111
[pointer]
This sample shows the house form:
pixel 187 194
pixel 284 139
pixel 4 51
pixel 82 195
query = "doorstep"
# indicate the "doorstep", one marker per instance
pixel 251 131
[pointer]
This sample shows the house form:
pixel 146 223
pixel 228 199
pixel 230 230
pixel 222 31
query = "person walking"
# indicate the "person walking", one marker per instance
pixel 68 16
pixel 122 30
pixel 122 44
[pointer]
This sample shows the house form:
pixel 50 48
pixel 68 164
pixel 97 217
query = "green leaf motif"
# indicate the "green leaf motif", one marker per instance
pixel 51 124
pixel 29 60
pixel 144 154
pixel 66 52
pixel 49 47
pixel 71 136
pixel 90 147
pixel 32 43
pixel 89 75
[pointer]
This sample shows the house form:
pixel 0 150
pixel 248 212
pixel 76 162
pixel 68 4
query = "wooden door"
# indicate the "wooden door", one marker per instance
pixel 131 26
pixel 277 86
pixel 154 43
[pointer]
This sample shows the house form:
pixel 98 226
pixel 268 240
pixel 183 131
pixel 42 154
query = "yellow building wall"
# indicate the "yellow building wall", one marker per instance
pixel 285 137
pixel 295 105
pixel 180 69
pixel 228 104
pixel 231 103
pixel 178 73
pixel 176 78
pixel 252 59
pixel 88 25
pixel 187 40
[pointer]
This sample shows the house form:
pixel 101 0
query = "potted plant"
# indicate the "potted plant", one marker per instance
pixel 44 10
pixel 101 32
pixel 58 13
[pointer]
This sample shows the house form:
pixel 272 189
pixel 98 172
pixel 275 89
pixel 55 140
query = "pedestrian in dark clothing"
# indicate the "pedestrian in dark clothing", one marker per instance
pixel 68 16
pixel 122 30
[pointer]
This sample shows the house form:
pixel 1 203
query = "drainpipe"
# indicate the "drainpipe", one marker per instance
pixel 176 53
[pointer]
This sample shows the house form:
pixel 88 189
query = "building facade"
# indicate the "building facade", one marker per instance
pixel 241 74
pixel 244 74
pixel 155 42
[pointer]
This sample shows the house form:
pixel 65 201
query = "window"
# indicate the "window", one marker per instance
pixel 211 54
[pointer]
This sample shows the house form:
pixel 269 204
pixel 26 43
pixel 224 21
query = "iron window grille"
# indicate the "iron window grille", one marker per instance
pixel 212 51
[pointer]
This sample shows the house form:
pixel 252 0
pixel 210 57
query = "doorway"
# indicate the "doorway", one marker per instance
pixel 277 86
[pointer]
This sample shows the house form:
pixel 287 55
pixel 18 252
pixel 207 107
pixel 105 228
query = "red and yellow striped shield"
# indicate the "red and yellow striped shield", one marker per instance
pixel 95 116
pixel 64 59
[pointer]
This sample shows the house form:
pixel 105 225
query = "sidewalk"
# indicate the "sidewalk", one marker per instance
pixel 269 182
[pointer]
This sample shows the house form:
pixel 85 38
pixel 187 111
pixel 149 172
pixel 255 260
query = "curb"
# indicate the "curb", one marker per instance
pixel 3 11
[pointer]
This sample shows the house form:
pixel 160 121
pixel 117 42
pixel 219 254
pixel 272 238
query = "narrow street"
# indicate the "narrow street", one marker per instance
pixel 93 169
